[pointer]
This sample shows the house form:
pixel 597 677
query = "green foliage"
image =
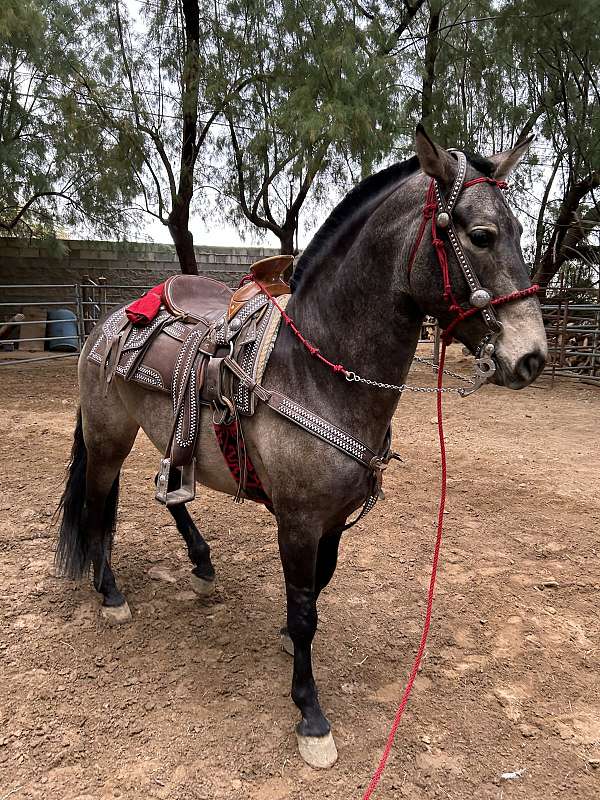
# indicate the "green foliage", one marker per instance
pixel 327 100
pixel 59 166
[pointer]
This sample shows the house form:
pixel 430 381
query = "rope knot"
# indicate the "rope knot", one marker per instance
pixel 428 210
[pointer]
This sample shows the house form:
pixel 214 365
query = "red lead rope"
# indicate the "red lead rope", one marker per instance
pixel 434 566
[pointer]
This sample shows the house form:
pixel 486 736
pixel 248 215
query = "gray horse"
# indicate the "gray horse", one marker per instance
pixel 356 299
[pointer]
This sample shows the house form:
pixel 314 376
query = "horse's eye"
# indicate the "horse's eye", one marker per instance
pixel 481 237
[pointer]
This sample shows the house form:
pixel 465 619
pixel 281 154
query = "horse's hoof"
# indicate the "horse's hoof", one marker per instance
pixel 319 752
pixel 286 643
pixel 201 586
pixel 116 615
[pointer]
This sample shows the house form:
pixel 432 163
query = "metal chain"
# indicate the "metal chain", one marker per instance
pixel 446 371
pixel 353 377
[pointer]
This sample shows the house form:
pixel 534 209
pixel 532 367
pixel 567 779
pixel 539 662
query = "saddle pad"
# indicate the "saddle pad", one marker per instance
pixel 254 356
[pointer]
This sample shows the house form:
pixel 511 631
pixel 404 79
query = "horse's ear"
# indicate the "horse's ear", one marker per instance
pixel 434 160
pixel 505 162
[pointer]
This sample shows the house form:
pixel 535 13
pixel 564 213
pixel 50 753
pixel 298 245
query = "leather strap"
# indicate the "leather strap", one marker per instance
pixel 447 206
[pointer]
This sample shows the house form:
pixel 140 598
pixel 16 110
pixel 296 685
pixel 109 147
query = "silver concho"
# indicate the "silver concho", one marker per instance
pixel 235 324
pixel 480 298
pixel 443 219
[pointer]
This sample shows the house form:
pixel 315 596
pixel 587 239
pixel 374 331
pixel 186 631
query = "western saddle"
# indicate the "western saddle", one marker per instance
pixel 201 326
pixel 208 346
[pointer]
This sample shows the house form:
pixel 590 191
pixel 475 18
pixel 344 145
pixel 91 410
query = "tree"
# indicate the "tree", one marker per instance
pixel 166 95
pixel 58 166
pixel 328 105
pixel 485 74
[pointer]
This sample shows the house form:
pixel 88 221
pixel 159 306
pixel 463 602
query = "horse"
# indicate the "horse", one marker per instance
pixel 360 293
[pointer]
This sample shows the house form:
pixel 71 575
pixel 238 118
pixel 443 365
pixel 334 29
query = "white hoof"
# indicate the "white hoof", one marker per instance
pixel 201 586
pixel 116 615
pixel 319 752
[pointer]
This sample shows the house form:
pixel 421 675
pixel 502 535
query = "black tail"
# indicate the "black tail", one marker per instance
pixel 73 548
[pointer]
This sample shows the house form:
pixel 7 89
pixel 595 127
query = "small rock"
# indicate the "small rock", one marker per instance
pixel 594 762
pixel 547 583
pixel 158 573
pixel 528 731
pixel 550 610
pixel 136 728
pixel 186 596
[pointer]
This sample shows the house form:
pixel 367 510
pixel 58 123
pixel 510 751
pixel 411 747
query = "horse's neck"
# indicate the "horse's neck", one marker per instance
pixel 355 314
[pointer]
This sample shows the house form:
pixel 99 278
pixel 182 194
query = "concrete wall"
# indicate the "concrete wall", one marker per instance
pixel 129 263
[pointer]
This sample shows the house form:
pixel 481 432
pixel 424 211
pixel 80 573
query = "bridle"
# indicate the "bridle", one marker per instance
pixel 439 210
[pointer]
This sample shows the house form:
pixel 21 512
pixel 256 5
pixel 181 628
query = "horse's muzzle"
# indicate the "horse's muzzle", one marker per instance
pixel 523 373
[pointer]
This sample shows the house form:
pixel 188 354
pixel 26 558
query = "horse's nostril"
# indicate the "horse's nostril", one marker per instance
pixel 530 365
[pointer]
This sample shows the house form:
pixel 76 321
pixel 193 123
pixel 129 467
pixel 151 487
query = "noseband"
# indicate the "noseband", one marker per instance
pixel 439 211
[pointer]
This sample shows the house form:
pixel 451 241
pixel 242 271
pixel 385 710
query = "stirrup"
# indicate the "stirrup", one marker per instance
pixel 187 487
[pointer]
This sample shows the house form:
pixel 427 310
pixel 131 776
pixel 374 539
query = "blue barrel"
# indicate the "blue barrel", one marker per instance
pixel 61 323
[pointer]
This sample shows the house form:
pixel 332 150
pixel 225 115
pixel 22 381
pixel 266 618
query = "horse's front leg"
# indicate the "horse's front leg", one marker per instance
pixel 298 546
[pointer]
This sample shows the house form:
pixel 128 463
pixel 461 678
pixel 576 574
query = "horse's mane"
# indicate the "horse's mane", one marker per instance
pixel 348 217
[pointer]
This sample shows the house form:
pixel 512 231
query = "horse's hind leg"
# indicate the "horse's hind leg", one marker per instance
pixel 103 438
pixel 100 513
pixel 203 574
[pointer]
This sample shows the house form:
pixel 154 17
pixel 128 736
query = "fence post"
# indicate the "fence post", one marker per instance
pixel 436 344
pixel 80 315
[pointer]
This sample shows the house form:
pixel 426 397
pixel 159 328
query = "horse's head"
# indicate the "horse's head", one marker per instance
pixel 481 230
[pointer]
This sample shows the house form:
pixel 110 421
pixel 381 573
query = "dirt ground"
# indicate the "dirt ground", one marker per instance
pixel 191 700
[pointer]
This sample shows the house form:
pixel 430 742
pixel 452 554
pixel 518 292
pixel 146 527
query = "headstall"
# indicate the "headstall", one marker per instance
pixel 439 210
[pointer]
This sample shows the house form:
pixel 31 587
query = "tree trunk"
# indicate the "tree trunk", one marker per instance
pixel 179 218
pixel 286 242
pixel 431 51
pixel 183 241
pixel 569 229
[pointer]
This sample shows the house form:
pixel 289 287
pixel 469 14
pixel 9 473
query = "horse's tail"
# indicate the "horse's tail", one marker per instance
pixel 73 551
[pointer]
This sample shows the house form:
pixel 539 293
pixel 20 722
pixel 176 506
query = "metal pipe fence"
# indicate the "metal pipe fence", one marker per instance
pixel 571 318
pixel 572 322
pixel 25 329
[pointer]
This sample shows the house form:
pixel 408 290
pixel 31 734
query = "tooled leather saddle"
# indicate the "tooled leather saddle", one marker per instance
pixel 208 346
pixel 199 324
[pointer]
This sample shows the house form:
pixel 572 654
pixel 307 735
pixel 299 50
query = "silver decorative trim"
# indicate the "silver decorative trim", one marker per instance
pixel 152 377
pixel 243 315
pixel 248 363
pixel 322 429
